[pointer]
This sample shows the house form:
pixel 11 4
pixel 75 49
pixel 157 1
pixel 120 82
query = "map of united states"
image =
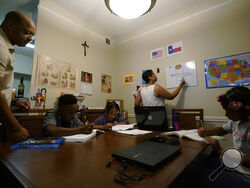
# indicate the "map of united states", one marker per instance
pixel 229 70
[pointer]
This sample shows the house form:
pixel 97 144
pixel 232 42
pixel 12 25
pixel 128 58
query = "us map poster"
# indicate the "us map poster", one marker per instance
pixel 228 71
pixel 175 73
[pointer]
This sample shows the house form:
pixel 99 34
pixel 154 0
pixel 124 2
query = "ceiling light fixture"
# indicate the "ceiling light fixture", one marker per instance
pixel 130 9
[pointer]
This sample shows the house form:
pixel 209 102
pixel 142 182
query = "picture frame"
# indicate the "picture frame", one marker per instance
pixel 128 79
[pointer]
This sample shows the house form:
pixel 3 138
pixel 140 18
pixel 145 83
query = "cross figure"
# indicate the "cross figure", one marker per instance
pixel 85 46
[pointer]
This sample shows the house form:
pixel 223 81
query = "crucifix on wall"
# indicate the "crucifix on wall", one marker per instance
pixel 85 46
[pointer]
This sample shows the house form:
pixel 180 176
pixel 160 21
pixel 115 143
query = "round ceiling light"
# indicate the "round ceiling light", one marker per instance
pixel 130 9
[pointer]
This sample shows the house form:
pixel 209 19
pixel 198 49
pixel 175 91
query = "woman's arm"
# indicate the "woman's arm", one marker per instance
pixel 162 92
pixel 138 100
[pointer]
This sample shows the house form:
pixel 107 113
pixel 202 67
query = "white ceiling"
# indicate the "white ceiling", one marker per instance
pixel 95 13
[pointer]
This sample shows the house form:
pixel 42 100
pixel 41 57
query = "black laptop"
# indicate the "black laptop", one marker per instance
pixel 149 155
pixel 151 118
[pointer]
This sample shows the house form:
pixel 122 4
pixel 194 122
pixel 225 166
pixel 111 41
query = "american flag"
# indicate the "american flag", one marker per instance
pixel 157 54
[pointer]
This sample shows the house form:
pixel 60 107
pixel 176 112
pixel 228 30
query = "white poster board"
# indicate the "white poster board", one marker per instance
pixel 175 73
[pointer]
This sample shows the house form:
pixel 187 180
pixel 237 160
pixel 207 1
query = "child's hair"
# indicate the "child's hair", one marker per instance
pixel 67 99
pixel 146 75
pixel 111 105
pixel 237 99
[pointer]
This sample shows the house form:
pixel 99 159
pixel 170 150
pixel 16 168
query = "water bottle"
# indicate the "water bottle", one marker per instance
pixel 176 121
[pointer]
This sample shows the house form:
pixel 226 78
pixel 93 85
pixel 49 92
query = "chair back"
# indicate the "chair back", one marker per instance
pixel 33 124
pixel 188 118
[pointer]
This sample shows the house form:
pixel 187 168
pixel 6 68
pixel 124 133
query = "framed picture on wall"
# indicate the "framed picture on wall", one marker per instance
pixel 128 79
pixel 118 101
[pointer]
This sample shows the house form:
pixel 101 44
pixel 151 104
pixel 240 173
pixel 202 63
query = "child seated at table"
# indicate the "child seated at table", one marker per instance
pixel 63 120
pixel 236 103
pixel 111 117
pixel 201 172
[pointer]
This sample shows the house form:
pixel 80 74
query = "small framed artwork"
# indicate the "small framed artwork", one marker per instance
pixel 128 79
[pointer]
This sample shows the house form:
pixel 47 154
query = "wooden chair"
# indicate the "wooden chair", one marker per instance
pixel 91 114
pixel 33 124
pixel 188 118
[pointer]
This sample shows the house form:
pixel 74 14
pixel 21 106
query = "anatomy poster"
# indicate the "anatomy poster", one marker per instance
pixel 54 73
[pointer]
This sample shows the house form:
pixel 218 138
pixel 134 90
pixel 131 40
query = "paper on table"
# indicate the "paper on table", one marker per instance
pixel 122 127
pixel 134 132
pixel 80 137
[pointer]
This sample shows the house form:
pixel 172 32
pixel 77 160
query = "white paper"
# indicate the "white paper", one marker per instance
pixel 80 137
pixel 134 132
pixel 122 127
pixel 86 88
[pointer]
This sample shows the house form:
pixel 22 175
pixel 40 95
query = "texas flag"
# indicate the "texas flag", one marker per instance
pixel 175 48
pixel 157 53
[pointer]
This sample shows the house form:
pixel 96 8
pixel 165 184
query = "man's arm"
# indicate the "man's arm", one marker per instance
pixel 17 132
pixel 162 92
pixel 53 130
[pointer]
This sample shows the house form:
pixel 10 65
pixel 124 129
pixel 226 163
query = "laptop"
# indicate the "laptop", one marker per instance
pixel 151 118
pixel 149 155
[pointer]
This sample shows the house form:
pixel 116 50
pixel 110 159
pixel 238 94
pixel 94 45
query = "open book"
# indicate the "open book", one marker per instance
pixel 191 134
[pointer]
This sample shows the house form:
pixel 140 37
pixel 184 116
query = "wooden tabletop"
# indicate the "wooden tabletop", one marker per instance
pixel 84 164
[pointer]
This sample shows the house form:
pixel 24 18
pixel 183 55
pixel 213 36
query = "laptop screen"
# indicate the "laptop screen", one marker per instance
pixel 151 118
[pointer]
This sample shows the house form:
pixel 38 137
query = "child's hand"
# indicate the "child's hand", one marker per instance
pixel 116 123
pixel 86 129
pixel 215 144
pixel 108 126
pixel 202 132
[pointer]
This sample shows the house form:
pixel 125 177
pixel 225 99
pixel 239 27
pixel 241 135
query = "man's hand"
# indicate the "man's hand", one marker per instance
pixel 25 105
pixel 18 134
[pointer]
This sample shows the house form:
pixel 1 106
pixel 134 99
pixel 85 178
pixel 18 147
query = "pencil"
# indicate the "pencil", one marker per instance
pixel 201 123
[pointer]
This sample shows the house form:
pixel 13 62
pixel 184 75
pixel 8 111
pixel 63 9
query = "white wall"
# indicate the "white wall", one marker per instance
pixel 214 33
pixel 59 36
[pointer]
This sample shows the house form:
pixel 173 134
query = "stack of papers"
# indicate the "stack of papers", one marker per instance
pixel 80 137
pixel 123 127
pixel 134 132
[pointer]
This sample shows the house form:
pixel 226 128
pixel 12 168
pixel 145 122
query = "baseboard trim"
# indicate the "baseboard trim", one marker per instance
pixel 206 118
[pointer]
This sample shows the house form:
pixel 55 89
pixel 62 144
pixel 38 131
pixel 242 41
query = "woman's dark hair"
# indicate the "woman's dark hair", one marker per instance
pixel 67 99
pixel 239 94
pixel 111 105
pixel 146 75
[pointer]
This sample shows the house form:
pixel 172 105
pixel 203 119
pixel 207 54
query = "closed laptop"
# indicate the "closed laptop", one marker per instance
pixel 148 154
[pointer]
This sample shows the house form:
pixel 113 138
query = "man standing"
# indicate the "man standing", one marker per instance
pixel 16 29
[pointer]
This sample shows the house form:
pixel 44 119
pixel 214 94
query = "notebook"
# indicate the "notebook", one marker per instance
pixel 151 118
pixel 149 155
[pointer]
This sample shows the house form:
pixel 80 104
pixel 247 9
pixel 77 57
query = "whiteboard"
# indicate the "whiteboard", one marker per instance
pixel 175 73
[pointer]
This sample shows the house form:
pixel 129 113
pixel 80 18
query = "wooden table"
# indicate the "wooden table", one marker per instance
pixel 84 164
